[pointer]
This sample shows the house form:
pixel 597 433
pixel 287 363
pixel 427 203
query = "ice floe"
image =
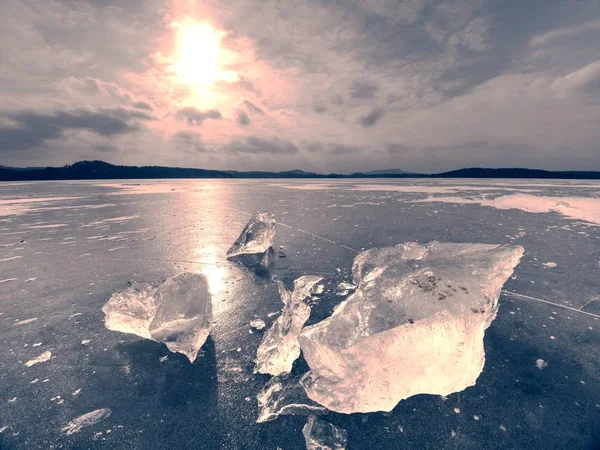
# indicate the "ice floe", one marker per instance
pixel 321 435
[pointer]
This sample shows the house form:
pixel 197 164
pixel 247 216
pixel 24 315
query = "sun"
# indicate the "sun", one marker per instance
pixel 199 58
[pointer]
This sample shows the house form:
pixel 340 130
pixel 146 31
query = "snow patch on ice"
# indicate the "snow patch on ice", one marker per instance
pixel 85 420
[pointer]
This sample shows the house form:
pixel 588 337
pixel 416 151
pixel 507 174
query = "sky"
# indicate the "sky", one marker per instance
pixel 319 85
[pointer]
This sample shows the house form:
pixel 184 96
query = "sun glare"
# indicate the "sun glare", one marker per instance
pixel 199 57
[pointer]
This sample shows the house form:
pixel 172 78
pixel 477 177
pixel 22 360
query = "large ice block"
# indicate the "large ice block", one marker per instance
pixel 321 435
pixel 414 325
pixel 256 238
pixel 279 347
pixel 177 312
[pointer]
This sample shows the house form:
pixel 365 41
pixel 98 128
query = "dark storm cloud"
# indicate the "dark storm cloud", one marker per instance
pixel 257 145
pixel 242 118
pixel 33 129
pixel 361 89
pixel 193 116
pixel 372 118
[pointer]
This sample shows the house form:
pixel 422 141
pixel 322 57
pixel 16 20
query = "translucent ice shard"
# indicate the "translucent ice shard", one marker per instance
pixel 321 435
pixel 279 347
pixel 257 236
pixel 177 312
pixel 414 325
pixel 284 395
pixel 132 310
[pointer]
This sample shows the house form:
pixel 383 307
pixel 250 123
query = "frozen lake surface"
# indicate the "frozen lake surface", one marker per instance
pixel 65 247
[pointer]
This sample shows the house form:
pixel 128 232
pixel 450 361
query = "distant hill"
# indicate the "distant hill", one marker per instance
pixel 478 172
pixel 388 172
pixel 100 170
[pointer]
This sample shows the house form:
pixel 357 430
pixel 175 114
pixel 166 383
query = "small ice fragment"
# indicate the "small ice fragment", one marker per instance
pixel 318 289
pixel 86 420
pixel 257 324
pixel 476 417
pixel 177 312
pixel 272 314
pixel 35 380
pixel 76 392
pixel 550 264
pixel 282 396
pixel 85 342
pixel 257 237
pixel 345 286
pixel 46 356
pixel 3 429
pixel 321 435
pixel 502 427
pixel 541 364
pixel 12 400
pixel 419 311
pixel 457 410
pixel 26 321
pixel 75 315
pixel 37 344
pixel 343 293
pixel 279 347
pixel 163 358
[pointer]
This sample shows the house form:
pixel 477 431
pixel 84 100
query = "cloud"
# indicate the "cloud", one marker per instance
pixel 363 89
pixel 142 105
pixel 242 118
pixel 372 118
pixel 193 116
pixel 32 129
pixel 565 32
pixel 330 148
pixel 253 108
pixel 257 145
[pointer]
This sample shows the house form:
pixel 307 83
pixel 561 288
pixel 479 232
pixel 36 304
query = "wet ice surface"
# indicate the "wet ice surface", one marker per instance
pixel 165 228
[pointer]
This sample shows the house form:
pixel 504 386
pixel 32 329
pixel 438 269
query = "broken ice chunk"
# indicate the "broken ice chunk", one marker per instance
pixel 415 325
pixel 321 435
pixel 177 312
pixel 257 236
pixel 257 324
pixel 279 347
pixel 284 395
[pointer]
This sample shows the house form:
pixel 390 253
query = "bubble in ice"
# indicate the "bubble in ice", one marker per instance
pixel 414 325
pixel 177 312
pixel 279 347
pixel 321 435
pixel 257 237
